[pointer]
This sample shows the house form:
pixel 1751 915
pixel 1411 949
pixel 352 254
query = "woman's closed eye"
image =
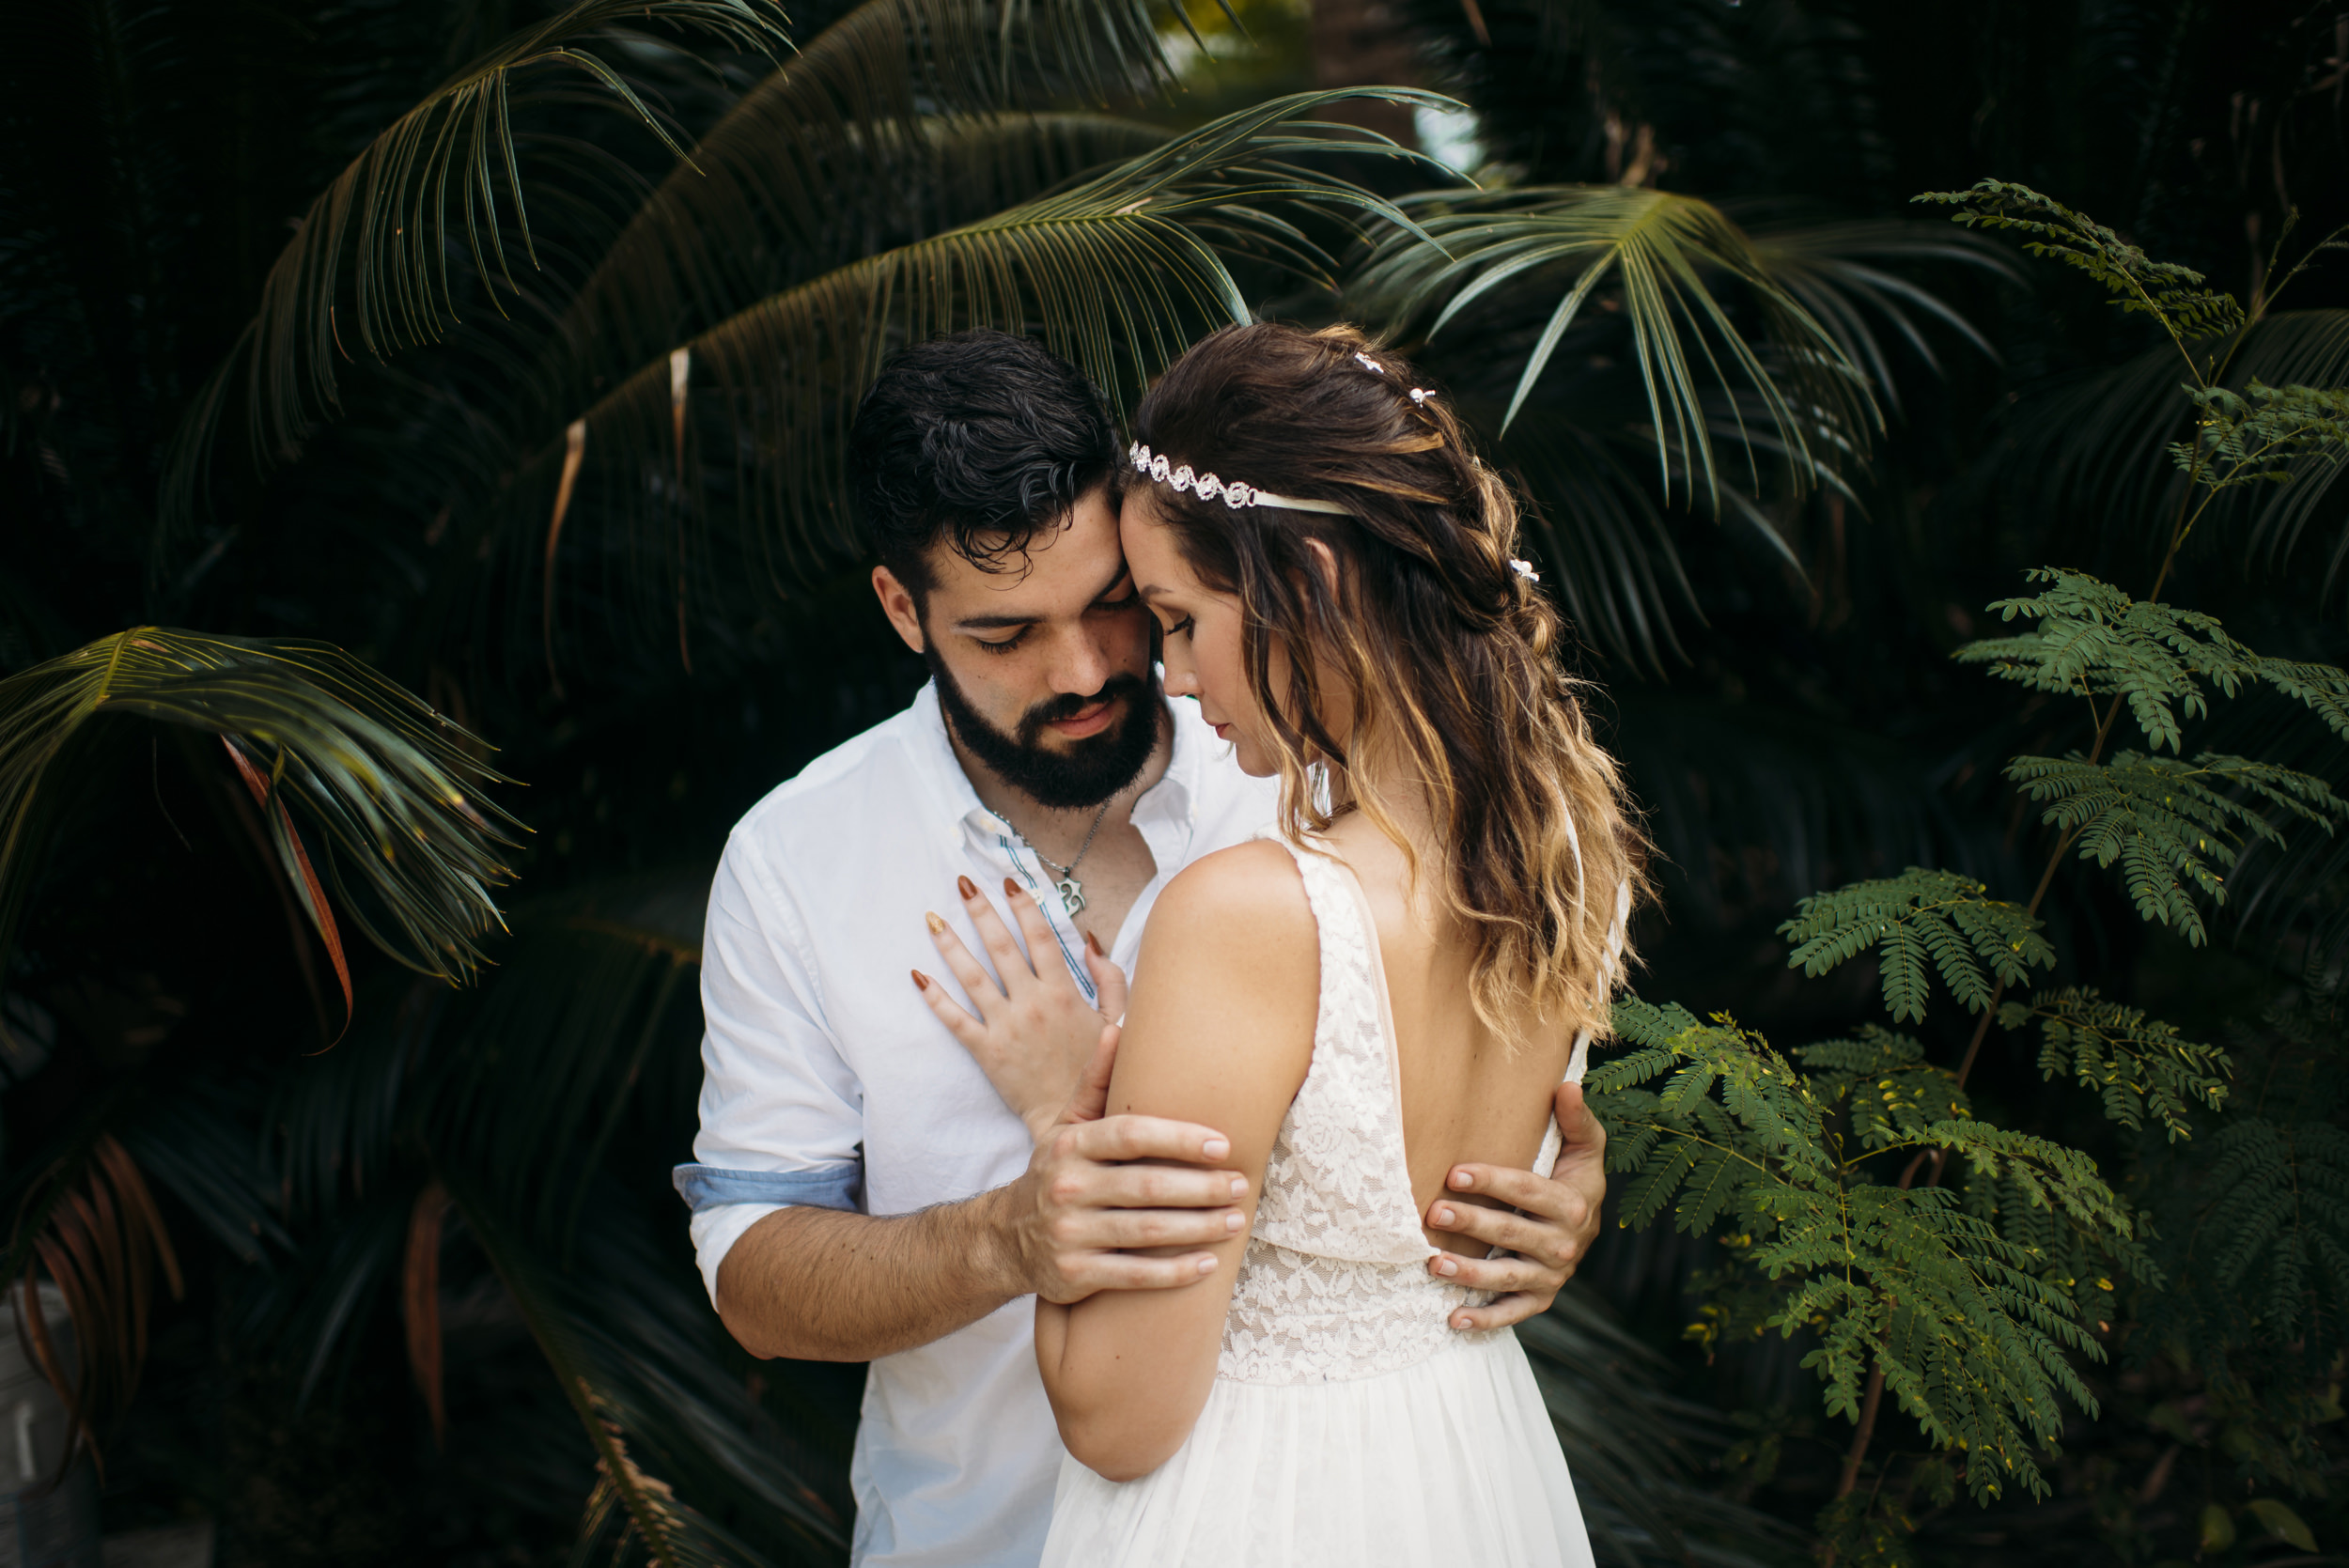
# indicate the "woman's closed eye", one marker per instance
pixel 1181 628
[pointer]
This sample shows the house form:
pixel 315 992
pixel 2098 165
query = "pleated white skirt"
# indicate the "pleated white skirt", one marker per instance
pixel 1451 1460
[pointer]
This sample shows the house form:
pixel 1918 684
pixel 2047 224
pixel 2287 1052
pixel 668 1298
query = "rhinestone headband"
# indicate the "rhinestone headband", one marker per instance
pixel 1207 486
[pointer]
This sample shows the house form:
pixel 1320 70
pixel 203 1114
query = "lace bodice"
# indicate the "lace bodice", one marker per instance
pixel 1334 1284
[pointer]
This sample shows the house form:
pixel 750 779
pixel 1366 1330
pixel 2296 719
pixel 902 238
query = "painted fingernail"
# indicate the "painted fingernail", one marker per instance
pixel 970 889
pixel 1462 1179
pixel 1011 889
pixel 1206 1265
pixel 1215 1148
pixel 1444 1214
pixel 1239 1190
pixel 1231 1221
pixel 1092 943
pixel 921 981
pixel 1446 1267
pixel 936 924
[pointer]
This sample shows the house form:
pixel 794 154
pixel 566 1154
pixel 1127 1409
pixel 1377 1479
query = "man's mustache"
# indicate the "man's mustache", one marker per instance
pixel 1069 704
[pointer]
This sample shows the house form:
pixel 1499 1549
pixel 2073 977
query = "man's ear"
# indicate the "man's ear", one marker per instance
pixel 897 602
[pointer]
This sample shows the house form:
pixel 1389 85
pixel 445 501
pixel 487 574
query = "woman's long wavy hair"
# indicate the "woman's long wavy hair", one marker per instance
pixel 1446 654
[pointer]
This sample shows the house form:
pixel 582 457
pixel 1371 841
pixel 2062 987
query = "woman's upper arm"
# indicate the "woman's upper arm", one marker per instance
pixel 1218 1030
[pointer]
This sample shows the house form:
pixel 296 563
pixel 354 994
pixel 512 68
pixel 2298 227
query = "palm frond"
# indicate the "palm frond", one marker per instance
pixel 389 784
pixel 368 267
pixel 92 1224
pixel 1664 254
pixel 1117 273
pixel 807 164
pixel 1841 274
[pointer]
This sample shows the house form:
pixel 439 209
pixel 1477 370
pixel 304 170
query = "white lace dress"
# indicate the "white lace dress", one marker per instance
pixel 1349 1425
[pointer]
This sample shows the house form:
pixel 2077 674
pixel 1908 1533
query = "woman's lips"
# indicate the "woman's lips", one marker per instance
pixel 1223 732
pixel 1091 720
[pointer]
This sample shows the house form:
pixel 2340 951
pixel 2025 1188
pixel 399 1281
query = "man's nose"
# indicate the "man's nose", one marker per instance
pixel 1082 665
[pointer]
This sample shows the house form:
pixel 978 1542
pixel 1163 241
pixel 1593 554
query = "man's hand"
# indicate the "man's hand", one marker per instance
pixel 1063 1226
pixel 1036 1032
pixel 1556 1221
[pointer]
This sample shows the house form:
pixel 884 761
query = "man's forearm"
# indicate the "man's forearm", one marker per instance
pixel 821 1285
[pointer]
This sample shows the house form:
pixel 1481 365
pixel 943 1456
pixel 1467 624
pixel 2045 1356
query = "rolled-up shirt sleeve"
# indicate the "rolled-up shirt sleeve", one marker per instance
pixel 781 1114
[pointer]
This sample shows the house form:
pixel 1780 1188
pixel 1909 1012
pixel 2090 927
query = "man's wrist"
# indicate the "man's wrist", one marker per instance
pixel 999 1267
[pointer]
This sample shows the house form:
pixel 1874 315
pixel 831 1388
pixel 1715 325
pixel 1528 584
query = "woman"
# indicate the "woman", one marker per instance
pixel 1392 987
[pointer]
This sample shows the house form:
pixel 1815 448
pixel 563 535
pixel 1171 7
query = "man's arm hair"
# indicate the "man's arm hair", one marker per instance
pixel 820 1284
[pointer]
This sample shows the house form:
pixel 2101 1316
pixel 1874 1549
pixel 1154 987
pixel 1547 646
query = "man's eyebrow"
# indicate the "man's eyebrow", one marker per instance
pixel 1004 622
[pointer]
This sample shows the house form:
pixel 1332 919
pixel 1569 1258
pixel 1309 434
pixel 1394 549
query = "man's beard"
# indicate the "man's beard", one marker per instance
pixel 1083 775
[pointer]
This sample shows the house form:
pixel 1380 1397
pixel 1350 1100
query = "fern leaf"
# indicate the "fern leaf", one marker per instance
pixel 1918 916
pixel 2173 295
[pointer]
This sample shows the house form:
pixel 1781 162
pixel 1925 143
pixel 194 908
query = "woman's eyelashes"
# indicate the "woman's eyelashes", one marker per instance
pixel 1180 629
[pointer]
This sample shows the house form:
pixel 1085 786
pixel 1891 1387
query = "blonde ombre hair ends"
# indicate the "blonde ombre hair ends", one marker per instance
pixel 1445 648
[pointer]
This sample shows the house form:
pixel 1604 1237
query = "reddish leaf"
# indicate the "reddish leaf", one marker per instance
pixel 420 1301
pixel 321 914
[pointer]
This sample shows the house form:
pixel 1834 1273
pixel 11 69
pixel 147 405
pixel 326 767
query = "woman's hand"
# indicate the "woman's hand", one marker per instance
pixel 1035 1032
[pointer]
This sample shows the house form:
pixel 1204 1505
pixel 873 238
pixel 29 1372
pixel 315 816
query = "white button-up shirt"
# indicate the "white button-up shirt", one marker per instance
pixel 829 1081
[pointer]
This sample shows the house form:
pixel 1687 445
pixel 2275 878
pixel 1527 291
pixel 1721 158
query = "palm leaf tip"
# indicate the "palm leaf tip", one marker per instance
pixel 390 787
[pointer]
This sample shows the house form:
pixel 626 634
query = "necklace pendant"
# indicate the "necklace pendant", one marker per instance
pixel 1072 897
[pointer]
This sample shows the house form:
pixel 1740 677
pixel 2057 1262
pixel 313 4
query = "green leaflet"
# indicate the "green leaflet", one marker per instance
pixel 2166 822
pixel 1888 1090
pixel 2172 294
pixel 1919 923
pixel 1972 1316
pixel 2137 1065
pixel 2094 641
pixel 2238 438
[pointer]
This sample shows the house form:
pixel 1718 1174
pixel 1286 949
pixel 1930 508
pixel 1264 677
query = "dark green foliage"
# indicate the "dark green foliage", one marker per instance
pixel 2262 433
pixel 2094 641
pixel 2137 1065
pixel 1969 1325
pixel 2281 1230
pixel 2174 295
pixel 395 787
pixel 2167 822
pixel 1919 923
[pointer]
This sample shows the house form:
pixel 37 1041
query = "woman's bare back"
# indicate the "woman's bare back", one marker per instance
pixel 1466 1096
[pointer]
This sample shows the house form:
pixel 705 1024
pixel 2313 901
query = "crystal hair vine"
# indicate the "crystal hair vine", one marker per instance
pixel 1524 569
pixel 1207 486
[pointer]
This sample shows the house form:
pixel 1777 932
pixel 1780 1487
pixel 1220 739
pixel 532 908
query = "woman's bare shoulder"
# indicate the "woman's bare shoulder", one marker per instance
pixel 1245 903
pixel 1255 886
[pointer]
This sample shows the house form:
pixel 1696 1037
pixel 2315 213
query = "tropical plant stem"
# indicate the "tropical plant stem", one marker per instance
pixel 1868 1405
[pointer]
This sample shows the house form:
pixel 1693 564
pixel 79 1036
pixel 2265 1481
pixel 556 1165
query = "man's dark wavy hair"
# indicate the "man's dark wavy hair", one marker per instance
pixel 979 439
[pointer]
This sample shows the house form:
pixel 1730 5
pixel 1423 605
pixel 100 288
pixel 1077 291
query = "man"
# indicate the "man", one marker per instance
pixel 865 1191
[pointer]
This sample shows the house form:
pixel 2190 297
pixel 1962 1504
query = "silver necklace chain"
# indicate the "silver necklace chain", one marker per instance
pixel 1072 895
